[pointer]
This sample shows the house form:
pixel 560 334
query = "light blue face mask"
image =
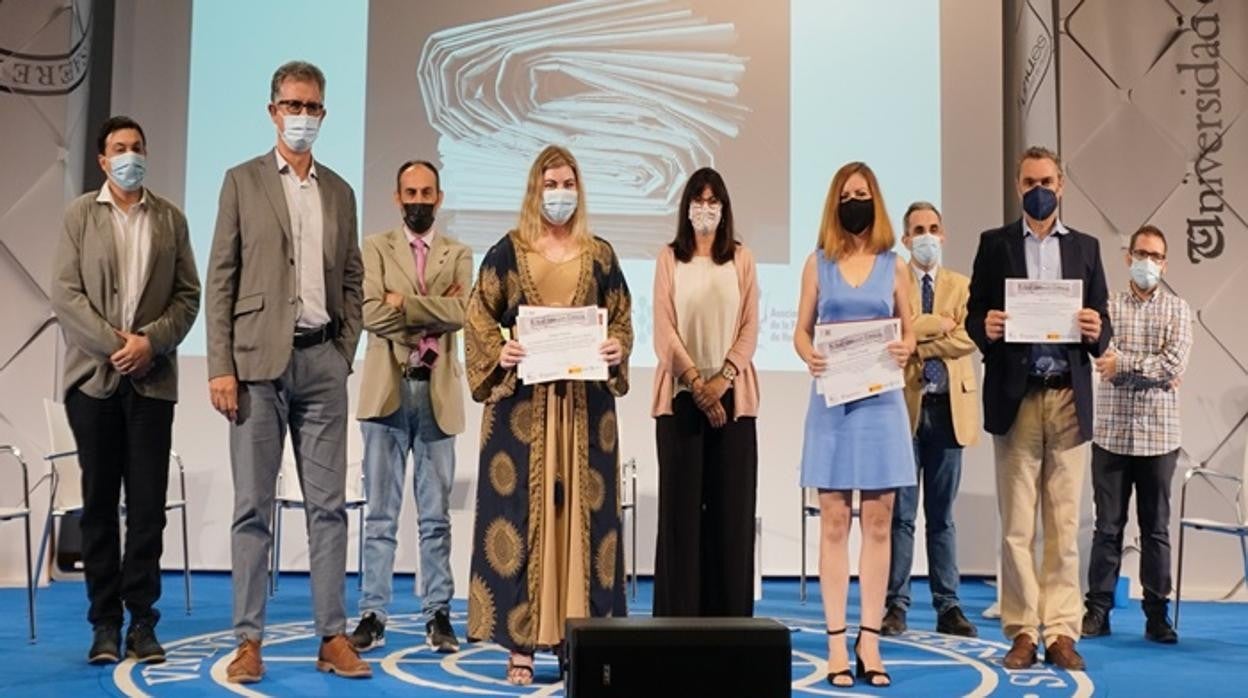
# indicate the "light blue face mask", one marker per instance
pixel 127 170
pixel 926 249
pixel 299 131
pixel 558 205
pixel 1145 273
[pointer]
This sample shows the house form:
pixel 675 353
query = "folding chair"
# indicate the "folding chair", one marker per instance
pixel 290 496
pixel 1230 488
pixel 66 492
pixel 810 508
pixel 22 512
pixel 628 507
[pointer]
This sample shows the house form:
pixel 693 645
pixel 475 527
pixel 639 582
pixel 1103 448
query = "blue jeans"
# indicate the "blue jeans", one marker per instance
pixel 387 442
pixel 939 460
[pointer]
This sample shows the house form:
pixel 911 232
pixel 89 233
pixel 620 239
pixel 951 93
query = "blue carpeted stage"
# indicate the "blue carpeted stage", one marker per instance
pixel 1210 660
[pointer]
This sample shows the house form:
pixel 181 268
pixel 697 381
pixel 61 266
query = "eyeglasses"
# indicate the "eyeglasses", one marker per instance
pixel 1141 255
pixel 292 107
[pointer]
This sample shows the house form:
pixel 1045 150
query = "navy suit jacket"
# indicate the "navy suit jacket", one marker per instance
pixel 1001 256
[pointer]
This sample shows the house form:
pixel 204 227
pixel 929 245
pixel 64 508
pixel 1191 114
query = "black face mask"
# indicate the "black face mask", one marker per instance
pixel 418 217
pixel 856 215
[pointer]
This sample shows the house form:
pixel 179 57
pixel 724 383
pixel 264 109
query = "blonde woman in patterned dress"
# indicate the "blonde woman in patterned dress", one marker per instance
pixel 546 539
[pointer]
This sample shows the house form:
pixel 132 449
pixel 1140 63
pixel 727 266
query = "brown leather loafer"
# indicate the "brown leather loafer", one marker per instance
pixel 1061 654
pixel 246 667
pixel 1022 653
pixel 339 656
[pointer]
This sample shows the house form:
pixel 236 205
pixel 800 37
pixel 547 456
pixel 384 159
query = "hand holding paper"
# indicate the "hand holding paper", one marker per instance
pixel 1043 311
pixel 863 359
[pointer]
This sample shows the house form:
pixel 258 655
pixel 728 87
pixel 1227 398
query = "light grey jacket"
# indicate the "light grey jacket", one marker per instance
pixel 88 306
pixel 250 299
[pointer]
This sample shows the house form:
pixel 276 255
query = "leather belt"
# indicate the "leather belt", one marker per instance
pixel 1052 381
pixel 417 373
pixel 320 335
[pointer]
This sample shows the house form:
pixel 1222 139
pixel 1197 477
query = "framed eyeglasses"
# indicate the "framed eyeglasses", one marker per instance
pixel 292 107
pixel 1141 255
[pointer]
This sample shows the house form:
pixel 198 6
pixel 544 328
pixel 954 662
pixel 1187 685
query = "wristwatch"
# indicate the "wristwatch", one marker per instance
pixel 729 372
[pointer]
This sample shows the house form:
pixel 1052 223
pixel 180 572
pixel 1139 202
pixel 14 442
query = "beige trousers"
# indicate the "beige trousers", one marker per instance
pixel 1040 465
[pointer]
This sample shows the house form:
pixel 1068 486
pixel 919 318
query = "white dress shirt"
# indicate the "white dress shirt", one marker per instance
pixel 132 231
pixel 303 201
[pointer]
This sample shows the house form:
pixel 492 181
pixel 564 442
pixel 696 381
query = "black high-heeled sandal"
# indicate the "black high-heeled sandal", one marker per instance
pixel 844 673
pixel 863 673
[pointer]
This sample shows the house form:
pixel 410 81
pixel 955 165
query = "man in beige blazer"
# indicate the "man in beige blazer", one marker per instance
pixel 416 284
pixel 283 311
pixel 944 416
pixel 125 293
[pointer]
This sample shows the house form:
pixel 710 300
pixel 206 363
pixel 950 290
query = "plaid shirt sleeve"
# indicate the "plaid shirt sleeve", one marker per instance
pixel 1145 369
pixel 1137 411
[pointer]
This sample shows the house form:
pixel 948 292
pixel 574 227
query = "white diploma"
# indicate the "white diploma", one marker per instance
pixel 858 362
pixel 1043 312
pixel 561 344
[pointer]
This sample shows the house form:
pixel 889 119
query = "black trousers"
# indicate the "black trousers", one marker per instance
pixel 1113 478
pixel 123 441
pixel 704 562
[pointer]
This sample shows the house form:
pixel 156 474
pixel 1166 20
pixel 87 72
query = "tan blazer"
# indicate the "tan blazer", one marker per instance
pixel 250 295
pixel 390 267
pixel 955 348
pixel 88 307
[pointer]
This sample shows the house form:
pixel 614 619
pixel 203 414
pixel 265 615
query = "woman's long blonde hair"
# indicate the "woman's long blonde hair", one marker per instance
pixel 833 239
pixel 531 222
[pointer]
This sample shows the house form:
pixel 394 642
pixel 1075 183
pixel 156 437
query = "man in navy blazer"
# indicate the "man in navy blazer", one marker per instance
pixel 1038 406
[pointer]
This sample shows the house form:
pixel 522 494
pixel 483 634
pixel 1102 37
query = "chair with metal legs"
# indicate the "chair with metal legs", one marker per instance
pixel 66 492
pixel 290 496
pixel 22 512
pixel 1230 489
pixel 175 500
pixel 628 507
pixel 810 509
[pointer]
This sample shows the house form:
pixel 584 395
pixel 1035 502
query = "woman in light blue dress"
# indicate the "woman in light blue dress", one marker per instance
pixel 861 445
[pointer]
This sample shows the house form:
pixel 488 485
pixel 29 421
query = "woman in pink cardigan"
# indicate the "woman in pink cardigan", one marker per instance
pixel 705 404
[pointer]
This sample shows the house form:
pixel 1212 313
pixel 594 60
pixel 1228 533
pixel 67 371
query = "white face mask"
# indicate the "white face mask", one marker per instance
pixel 705 217
pixel 1145 273
pixel 299 131
pixel 558 205
pixel 926 249
pixel 127 170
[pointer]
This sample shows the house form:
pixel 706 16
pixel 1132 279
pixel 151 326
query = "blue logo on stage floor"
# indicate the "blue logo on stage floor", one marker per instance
pixel 921 663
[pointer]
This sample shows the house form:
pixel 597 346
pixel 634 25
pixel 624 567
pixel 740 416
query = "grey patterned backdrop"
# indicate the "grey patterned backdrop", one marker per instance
pixel 1144 101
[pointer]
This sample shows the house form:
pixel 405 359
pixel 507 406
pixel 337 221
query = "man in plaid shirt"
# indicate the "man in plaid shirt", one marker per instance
pixel 1136 440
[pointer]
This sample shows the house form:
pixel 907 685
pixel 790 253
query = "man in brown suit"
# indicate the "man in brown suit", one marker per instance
pixel 944 416
pixel 125 293
pixel 283 310
pixel 416 283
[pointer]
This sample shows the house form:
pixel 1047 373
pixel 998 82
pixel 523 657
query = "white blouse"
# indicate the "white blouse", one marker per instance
pixel 708 302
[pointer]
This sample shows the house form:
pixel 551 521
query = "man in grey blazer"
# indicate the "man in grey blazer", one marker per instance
pixel 125 293
pixel 283 309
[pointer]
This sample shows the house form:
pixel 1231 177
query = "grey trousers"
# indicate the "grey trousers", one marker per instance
pixel 310 398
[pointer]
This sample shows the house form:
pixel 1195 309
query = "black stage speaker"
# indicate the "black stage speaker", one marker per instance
pixel 650 657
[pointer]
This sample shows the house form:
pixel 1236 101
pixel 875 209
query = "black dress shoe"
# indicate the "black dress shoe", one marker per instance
pixel 105 645
pixel 954 622
pixel 1159 629
pixel 141 644
pixel 1095 623
pixel 894 621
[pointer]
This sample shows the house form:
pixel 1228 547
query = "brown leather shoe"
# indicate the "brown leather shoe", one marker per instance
pixel 1022 654
pixel 338 656
pixel 246 667
pixel 1061 654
